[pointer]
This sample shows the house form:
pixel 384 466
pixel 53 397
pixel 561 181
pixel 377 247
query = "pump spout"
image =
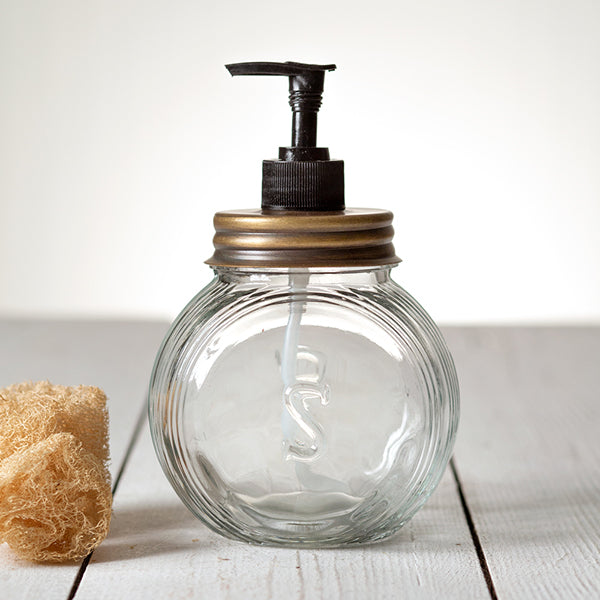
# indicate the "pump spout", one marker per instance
pixel 306 93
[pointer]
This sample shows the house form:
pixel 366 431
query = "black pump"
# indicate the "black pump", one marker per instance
pixel 304 178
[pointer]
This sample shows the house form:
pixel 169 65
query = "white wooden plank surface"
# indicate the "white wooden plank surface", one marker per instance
pixel 157 549
pixel 528 455
pixel 116 356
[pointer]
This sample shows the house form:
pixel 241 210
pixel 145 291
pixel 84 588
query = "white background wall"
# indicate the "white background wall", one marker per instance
pixel 476 122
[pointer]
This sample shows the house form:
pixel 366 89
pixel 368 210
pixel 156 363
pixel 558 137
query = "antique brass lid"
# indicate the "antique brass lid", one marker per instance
pixel 354 237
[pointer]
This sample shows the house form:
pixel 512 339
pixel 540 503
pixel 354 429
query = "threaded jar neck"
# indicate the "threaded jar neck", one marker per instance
pixel 347 276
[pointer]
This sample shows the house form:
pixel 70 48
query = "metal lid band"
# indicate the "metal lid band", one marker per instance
pixel 288 239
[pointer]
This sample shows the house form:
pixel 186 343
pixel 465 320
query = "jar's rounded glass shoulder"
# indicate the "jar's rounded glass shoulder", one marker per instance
pixel 304 408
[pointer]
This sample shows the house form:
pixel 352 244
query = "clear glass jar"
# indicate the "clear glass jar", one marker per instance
pixel 304 407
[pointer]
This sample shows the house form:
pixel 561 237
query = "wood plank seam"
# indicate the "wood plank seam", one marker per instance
pixel 474 535
pixel 132 442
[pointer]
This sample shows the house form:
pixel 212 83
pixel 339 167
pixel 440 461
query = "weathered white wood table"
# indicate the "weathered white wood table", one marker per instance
pixel 517 514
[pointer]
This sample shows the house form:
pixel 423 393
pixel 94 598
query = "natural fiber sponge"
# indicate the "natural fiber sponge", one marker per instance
pixel 30 412
pixel 55 494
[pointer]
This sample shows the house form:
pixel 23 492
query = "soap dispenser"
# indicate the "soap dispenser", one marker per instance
pixel 303 398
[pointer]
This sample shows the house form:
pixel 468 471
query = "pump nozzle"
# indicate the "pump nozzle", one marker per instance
pixel 306 94
pixel 304 177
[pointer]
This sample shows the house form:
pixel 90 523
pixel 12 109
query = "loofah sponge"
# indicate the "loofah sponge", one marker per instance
pixel 55 495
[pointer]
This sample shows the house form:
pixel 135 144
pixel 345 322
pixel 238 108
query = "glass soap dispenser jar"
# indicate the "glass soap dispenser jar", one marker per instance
pixel 303 398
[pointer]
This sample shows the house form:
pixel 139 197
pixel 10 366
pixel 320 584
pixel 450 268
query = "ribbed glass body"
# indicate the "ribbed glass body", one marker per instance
pixel 304 407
